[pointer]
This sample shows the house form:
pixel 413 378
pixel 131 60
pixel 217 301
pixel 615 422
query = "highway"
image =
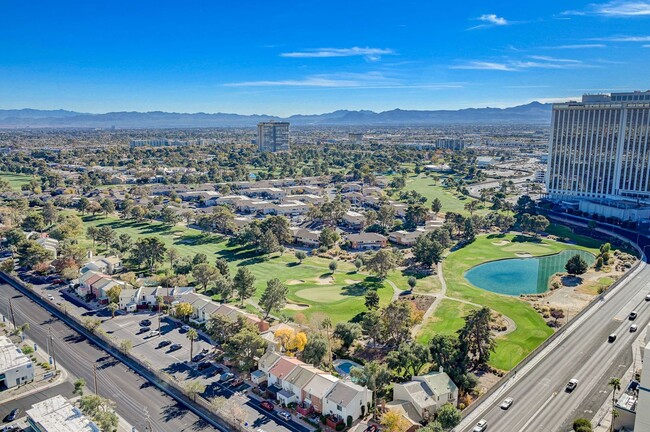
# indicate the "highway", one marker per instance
pixel 541 403
pixel 135 398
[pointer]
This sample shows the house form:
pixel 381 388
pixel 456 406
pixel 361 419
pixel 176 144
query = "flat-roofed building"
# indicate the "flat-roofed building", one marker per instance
pixel 15 367
pixel 57 414
pixel 599 150
pixel 273 136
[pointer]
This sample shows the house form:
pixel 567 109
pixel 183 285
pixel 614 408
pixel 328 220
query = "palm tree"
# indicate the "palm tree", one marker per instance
pixel 615 383
pixel 192 335
pixel 327 326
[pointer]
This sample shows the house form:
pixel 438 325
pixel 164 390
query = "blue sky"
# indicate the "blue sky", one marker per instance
pixel 303 56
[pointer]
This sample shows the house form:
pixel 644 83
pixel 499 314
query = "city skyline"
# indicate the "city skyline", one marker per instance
pixel 318 57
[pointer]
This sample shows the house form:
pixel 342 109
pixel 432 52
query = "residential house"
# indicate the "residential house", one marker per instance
pixel 426 394
pixel 204 307
pixel 406 238
pixel 108 265
pixel 306 237
pixel 400 208
pixel 281 369
pixel 347 399
pixel 307 198
pixel 354 219
pixel 367 240
pixel 294 382
pixel 50 244
pixel 290 208
pixel 314 392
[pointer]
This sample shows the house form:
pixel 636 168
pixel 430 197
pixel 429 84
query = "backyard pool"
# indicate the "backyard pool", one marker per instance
pixel 522 275
pixel 343 367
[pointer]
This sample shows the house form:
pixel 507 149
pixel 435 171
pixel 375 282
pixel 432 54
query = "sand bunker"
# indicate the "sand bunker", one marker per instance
pixel 328 280
pixel 501 242
pixel 294 282
pixel 523 254
pixel 351 281
pixel 296 306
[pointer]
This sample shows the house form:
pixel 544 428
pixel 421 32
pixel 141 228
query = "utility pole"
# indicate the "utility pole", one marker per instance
pixel 147 419
pixel 11 312
pixel 49 330
pixel 95 378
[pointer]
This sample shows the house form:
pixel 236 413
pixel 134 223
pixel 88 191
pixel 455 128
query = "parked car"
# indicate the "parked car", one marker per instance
pixel 175 347
pixel 507 403
pixel 144 330
pixel 267 405
pixel 197 358
pixel 10 428
pixel 13 415
pixel 236 382
pixel 145 323
pixel 50 297
pixel 227 377
pixel 164 343
pixel 633 328
pixel 184 329
pixel 480 426
pixel 571 385
pixel 633 315
pixel 284 415
pixel 154 333
pixel 204 366
pixel 371 428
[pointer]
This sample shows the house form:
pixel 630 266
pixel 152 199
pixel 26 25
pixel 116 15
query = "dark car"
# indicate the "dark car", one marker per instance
pixel 175 347
pixel 204 366
pixel 371 428
pixel 144 329
pixel 236 382
pixel 267 405
pixel 198 357
pixel 13 415
pixel 145 323
pixel 218 371
pixel 164 343
pixel 633 315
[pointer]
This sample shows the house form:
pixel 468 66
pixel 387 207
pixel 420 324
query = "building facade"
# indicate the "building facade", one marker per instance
pixel 16 368
pixel 599 149
pixel 273 136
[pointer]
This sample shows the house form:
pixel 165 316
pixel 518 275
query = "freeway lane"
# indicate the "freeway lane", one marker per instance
pixel 134 396
pixel 540 402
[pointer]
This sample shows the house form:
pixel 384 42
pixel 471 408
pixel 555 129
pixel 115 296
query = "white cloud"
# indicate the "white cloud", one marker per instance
pixel 490 20
pixel 483 65
pixel 370 80
pixel 616 9
pixel 624 39
pixel 371 54
pixel 577 46
pixel 646 46
pixel 529 62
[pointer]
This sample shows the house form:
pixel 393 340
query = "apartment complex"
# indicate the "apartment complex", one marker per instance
pixel 450 143
pixel 599 156
pixel 273 136
pixel 15 367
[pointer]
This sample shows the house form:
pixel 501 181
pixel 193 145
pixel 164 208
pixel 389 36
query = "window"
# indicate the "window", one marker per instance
pixel 339 408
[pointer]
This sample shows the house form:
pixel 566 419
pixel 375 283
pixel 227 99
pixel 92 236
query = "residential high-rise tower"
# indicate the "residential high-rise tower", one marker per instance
pixel 273 136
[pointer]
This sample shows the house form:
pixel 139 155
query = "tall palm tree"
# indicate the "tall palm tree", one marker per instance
pixel 615 383
pixel 192 335
pixel 327 326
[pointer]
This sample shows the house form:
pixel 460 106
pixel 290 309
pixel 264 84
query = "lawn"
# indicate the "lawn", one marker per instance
pixel 340 296
pixel 431 189
pixel 15 180
pixel 531 328
pixel 447 320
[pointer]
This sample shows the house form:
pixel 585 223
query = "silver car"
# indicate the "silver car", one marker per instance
pixel 480 426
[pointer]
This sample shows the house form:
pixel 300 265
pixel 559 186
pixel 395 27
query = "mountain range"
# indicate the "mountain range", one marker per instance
pixel 532 113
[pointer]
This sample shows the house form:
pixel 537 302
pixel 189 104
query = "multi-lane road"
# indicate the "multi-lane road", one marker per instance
pixel 137 400
pixel 583 352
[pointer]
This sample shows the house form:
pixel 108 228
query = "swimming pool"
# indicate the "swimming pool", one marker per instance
pixel 343 367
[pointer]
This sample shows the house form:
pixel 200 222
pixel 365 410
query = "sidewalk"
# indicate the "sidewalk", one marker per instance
pixel 43 379
pixel 603 418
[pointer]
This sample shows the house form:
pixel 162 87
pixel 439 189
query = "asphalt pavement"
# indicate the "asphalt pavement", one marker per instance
pixel 23 404
pixel 583 352
pixel 135 398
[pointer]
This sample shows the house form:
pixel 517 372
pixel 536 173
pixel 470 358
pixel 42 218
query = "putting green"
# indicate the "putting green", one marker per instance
pixel 531 248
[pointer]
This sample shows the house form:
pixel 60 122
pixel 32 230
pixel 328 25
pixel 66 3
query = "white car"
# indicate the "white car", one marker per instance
pixel 633 328
pixel 507 403
pixel 480 426
pixel 154 333
pixel 50 297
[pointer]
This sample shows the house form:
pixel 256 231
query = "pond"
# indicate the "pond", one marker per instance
pixel 522 275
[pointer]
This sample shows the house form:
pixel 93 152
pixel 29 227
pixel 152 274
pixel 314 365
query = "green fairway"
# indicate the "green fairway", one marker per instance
pixel 531 327
pixel 451 200
pixel 446 321
pixel 340 296
pixel 15 180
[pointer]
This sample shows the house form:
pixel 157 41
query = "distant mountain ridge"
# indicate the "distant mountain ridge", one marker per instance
pixel 532 113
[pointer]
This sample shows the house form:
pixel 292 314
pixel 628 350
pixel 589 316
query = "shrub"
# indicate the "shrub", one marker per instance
pixel 580 424
pixel 27 350
pixel 349 421
pixel 340 427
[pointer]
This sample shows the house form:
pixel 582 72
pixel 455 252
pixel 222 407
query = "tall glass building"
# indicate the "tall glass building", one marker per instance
pixel 273 136
pixel 600 150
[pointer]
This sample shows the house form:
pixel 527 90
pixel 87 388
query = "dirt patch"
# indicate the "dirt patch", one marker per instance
pixel 296 306
pixel 421 303
pixel 501 242
pixel 294 282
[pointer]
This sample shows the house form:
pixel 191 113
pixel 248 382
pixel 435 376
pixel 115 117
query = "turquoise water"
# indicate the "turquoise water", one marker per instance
pixel 345 366
pixel 522 275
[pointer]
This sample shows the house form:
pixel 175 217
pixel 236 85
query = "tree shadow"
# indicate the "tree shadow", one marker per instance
pixel 493 236
pixel 521 238
pixel 173 412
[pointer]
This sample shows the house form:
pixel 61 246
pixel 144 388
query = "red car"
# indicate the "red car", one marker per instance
pixel 267 405
pixel 372 428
